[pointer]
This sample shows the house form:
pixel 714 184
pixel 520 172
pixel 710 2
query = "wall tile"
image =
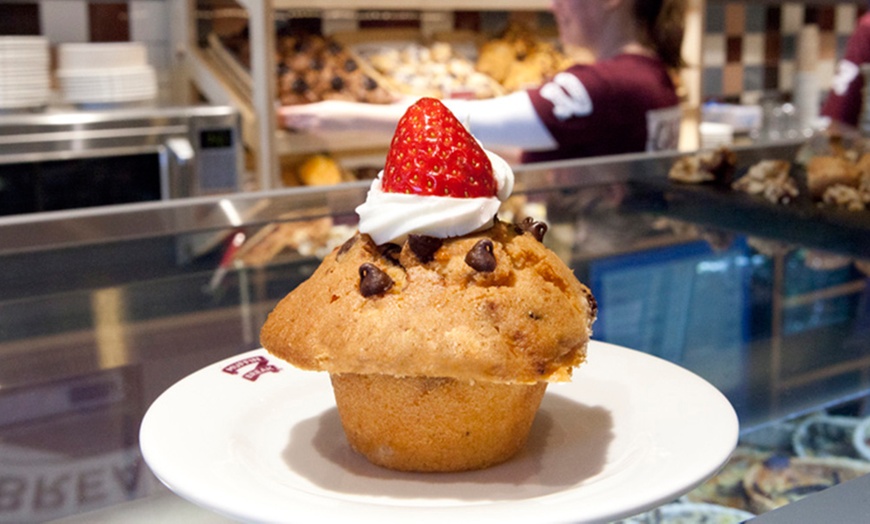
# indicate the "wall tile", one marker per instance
pixel 845 18
pixel 64 20
pixel 732 81
pixel 826 18
pixel 773 21
pixel 756 18
pixel 109 21
pixel 753 49
pixel 771 77
pixel 792 17
pixel 715 17
pixel 711 82
pixel 772 48
pixel 753 78
pixel 714 50
pixel 19 19
pixel 787 69
pixel 734 49
pixel 149 20
pixel 789 47
pixel 735 18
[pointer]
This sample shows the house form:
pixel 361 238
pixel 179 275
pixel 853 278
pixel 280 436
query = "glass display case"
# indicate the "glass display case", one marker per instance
pixel 101 310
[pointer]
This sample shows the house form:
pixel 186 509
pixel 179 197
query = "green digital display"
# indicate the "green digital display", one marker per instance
pixel 215 138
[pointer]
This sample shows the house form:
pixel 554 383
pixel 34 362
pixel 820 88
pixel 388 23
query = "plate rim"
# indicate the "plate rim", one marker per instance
pixel 401 512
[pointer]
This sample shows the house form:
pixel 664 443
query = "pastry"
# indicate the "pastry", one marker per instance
pixel 827 171
pixel 436 69
pixel 311 68
pixel 716 166
pixel 771 179
pixel 726 486
pixel 780 480
pixel 320 170
pixel 845 197
pixel 520 59
pixel 440 325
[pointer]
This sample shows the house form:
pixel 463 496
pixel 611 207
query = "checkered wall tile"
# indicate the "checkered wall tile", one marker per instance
pixel 750 48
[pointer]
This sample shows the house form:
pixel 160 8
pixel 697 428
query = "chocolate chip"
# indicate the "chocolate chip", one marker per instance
pixel 299 86
pixel 390 252
pixel 334 47
pixel 424 247
pixel 347 245
pixel 537 228
pixel 593 304
pixel 373 281
pixel 481 256
pixel 337 83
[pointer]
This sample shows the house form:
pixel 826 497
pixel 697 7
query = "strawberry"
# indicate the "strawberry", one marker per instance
pixel 433 154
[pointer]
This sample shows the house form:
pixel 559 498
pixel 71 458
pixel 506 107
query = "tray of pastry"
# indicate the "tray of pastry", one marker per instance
pixel 443 65
pixel 312 68
pixel 816 200
pixel 522 56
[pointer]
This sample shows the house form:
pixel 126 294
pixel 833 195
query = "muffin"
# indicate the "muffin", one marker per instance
pixel 440 325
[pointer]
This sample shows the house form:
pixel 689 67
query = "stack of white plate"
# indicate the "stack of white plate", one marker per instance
pixel 24 72
pixel 105 73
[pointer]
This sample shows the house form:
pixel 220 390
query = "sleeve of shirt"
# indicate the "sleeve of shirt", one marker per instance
pixel 508 121
pixel 564 104
pixel 846 99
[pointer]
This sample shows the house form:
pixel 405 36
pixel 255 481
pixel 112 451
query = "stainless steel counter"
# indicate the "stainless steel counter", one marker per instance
pixel 101 310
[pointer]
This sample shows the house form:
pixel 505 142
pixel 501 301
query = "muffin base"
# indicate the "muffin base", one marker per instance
pixel 435 424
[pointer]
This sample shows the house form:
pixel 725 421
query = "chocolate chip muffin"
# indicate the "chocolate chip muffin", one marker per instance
pixel 439 350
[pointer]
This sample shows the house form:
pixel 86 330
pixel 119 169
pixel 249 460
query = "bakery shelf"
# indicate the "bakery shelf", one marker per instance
pixel 288 142
pixel 267 142
pixel 472 5
pixel 218 77
pixel 215 86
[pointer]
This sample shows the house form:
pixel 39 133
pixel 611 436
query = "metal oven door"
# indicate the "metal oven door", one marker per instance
pixel 82 181
pixel 84 159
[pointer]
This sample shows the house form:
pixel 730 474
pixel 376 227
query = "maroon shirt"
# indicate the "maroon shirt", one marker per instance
pixel 622 105
pixel 845 100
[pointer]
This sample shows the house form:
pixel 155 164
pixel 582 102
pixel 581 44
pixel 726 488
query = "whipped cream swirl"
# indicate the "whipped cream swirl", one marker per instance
pixel 391 217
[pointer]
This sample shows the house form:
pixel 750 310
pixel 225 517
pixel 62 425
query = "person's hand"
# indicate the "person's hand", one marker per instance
pixel 319 117
pixel 332 116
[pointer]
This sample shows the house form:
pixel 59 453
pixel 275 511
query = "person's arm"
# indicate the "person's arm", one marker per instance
pixel 504 122
pixel 845 101
pixel 338 115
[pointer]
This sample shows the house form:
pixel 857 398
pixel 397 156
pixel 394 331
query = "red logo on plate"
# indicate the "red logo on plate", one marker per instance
pixel 262 367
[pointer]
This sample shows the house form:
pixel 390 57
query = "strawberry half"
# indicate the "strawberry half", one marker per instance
pixel 433 154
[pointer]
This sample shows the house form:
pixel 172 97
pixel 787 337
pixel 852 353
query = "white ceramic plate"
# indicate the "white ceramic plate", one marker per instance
pixel 257 440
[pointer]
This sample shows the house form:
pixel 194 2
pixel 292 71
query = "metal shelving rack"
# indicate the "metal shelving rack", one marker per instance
pixel 261 131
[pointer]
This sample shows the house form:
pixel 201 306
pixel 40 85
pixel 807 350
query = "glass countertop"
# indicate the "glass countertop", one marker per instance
pixel 102 309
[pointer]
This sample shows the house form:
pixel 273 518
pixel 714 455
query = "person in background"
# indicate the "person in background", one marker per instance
pixel 845 101
pixel 624 101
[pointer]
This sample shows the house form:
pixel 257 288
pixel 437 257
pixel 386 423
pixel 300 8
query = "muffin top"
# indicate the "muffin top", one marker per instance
pixel 493 305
